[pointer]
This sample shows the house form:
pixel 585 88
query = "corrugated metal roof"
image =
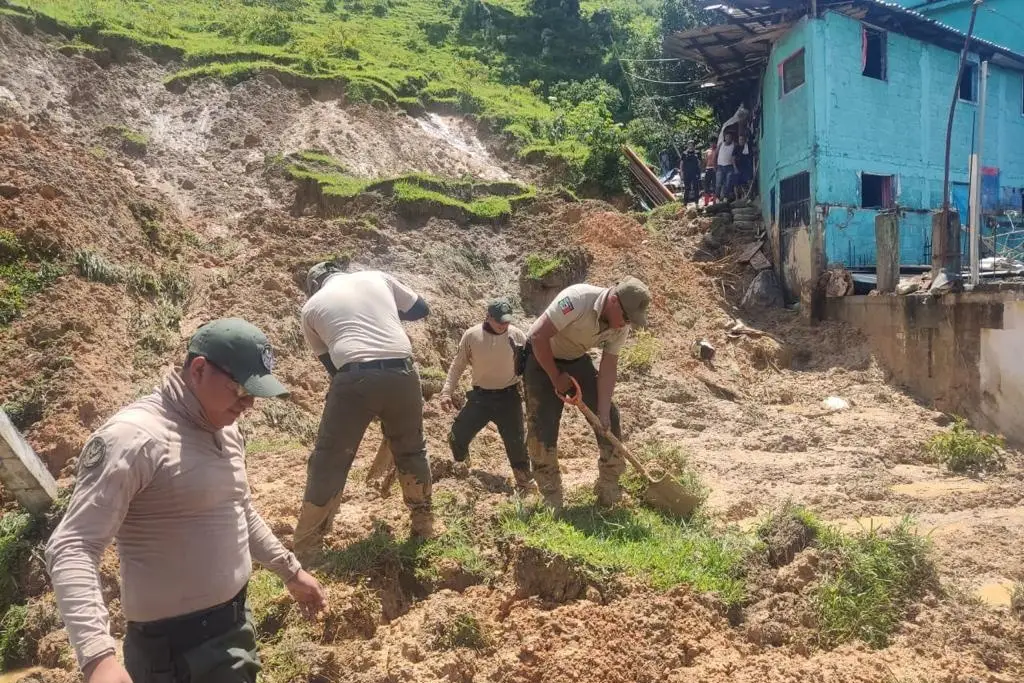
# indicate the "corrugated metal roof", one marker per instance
pixel 742 44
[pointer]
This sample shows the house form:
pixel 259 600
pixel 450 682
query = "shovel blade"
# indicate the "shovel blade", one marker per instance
pixel 669 496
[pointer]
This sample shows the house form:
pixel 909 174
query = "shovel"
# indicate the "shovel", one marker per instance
pixel 383 466
pixel 663 492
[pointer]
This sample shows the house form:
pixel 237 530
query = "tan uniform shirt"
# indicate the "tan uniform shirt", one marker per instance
pixel 490 355
pixel 576 314
pixel 354 317
pixel 173 492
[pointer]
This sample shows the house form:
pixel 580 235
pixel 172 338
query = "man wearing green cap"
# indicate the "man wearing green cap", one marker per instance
pixel 166 478
pixel 490 349
pixel 353 322
pixel 581 317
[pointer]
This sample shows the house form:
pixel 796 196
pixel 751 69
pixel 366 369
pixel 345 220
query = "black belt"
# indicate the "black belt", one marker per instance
pixel 514 387
pixel 190 630
pixel 385 364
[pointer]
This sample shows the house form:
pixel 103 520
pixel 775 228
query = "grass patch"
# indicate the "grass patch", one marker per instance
pixel 14 646
pixel 19 281
pixel 381 552
pixel 641 355
pixel 289 418
pixel 660 458
pixel 28 405
pixel 964 450
pixel 415 191
pixel 95 267
pixel 538 266
pixel 642 543
pixel 869 581
pixel 463 630
pixel 16 539
pixel 433 372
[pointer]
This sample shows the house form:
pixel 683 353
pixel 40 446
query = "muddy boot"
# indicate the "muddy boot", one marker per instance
pixel 608 492
pixel 423 525
pixel 307 539
pixel 525 485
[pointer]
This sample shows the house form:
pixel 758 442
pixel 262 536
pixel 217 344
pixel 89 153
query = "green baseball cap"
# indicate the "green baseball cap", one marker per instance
pixel 635 298
pixel 240 349
pixel 318 274
pixel 500 310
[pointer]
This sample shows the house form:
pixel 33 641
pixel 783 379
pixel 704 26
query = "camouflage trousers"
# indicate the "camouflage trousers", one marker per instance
pixel 543 418
pixel 355 398
pixel 194 649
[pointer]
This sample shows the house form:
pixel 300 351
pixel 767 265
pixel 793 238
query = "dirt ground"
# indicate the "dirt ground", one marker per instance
pixel 753 420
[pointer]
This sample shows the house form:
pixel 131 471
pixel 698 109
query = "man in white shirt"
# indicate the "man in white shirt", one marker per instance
pixel 353 323
pixel 490 348
pixel 726 166
pixel 581 317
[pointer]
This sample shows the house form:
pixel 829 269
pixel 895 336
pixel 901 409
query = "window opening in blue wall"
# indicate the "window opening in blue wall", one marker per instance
pixel 876 191
pixel 873 53
pixel 792 72
pixel 795 200
pixel 969 83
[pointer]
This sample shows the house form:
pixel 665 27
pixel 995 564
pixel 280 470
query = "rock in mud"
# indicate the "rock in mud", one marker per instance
pixel 8 191
pixel 763 292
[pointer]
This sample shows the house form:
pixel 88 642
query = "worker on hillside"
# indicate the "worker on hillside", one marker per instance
pixel 166 477
pixel 580 318
pixel 689 167
pixel 490 348
pixel 353 322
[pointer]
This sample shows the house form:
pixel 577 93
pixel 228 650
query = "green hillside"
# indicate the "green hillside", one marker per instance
pixel 545 74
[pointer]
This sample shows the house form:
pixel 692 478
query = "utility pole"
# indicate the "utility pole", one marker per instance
pixel 976 201
pixel 942 263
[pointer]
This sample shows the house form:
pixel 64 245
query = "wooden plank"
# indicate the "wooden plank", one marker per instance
pixel 748 251
pixel 760 262
pixel 22 472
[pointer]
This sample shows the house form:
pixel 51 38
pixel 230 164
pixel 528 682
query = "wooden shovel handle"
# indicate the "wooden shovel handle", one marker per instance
pixel 576 399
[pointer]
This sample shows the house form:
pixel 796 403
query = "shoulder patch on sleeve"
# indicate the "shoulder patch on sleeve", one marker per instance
pixel 565 305
pixel 94 453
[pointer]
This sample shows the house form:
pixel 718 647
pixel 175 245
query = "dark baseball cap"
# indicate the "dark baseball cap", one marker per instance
pixel 635 298
pixel 318 274
pixel 500 310
pixel 240 349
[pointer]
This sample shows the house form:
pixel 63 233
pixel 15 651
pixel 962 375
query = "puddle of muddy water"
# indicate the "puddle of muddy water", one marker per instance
pixel 996 593
pixel 937 488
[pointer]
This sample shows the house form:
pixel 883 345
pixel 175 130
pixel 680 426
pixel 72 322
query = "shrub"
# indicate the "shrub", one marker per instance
pixel 963 449
pixel 641 354
pixel 539 266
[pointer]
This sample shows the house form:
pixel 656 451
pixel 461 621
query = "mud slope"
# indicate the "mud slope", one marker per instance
pixel 202 225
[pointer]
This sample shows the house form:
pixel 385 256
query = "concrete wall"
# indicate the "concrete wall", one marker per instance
pixel 959 353
pixel 998 21
pixel 897 127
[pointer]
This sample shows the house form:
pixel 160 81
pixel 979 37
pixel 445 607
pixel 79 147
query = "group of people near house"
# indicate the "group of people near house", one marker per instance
pixel 165 477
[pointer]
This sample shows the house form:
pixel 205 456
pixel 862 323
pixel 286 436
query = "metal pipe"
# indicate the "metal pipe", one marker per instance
pixel 949 139
pixel 976 200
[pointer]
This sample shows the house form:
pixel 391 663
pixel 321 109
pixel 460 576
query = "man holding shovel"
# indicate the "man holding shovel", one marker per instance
pixel 581 317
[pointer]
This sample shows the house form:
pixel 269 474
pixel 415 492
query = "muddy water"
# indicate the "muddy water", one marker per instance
pixel 996 593
pixel 937 488
pixel 17 675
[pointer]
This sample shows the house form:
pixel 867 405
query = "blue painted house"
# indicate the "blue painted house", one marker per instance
pixel 851 107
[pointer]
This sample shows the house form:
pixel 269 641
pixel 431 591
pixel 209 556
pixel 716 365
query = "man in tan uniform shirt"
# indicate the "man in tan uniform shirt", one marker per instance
pixel 353 323
pixel 166 478
pixel 490 348
pixel 580 318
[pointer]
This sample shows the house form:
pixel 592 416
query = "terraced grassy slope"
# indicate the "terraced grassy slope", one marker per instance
pixel 502 61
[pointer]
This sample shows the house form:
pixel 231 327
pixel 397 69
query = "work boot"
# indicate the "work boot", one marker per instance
pixel 608 493
pixel 553 501
pixel 525 485
pixel 423 525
